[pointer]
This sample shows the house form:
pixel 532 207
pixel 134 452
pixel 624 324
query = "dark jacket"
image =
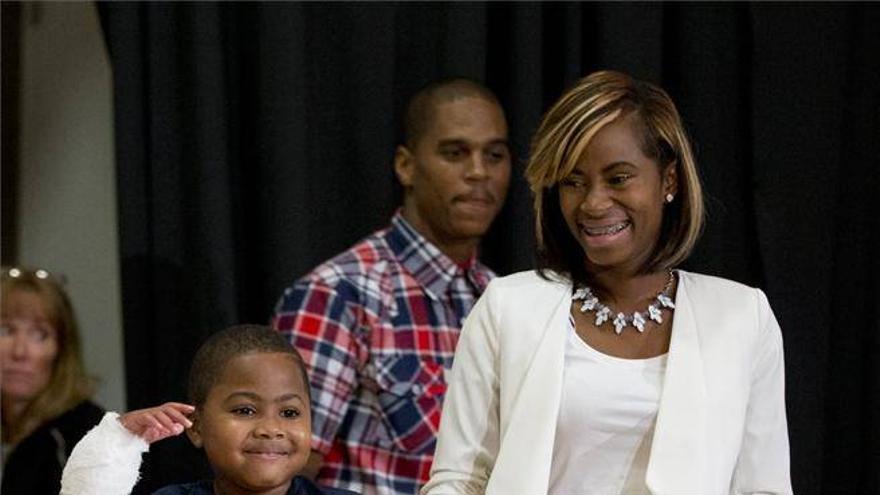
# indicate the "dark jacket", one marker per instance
pixel 35 466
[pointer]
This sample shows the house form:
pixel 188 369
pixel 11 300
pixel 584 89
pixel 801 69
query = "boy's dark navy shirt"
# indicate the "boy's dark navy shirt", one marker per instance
pixel 299 486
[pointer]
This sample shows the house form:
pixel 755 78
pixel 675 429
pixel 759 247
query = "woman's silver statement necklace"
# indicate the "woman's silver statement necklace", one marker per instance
pixel 637 320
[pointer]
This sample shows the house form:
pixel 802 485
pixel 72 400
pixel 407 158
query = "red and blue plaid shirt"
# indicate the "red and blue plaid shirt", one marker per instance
pixel 377 326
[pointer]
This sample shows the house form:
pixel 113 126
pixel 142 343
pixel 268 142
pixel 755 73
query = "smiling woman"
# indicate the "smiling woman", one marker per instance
pixel 612 199
pixel 616 371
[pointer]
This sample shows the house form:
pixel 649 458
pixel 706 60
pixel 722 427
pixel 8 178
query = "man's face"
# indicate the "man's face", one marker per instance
pixel 455 179
pixel 255 424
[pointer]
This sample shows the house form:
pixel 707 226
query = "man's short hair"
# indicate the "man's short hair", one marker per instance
pixel 420 108
pixel 229 343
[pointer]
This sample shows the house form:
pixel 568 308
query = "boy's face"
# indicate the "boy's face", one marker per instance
pixel 255 424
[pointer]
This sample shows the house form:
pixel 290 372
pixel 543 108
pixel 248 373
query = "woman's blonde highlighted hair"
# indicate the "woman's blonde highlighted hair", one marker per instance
pixel 69 385
pixel 559 143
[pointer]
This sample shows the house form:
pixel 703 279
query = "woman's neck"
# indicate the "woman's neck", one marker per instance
pixel 626 291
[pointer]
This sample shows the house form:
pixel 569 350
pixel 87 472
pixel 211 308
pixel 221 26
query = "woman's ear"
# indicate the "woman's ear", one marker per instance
pixel 670 179
pixel 194 432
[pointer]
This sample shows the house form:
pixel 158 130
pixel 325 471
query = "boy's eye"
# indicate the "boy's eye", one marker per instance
pixel 290 413
pixel 244 411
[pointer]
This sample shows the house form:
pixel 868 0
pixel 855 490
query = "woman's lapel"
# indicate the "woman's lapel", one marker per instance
pixel 523 463
pixel 678 454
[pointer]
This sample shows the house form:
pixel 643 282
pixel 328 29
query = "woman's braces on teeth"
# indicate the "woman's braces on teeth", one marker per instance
pixel 611 229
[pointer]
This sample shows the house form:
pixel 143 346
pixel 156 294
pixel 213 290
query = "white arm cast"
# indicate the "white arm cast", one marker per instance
pixel 107 460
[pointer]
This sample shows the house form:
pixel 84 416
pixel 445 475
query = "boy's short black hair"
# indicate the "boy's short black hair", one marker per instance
pixel 228 344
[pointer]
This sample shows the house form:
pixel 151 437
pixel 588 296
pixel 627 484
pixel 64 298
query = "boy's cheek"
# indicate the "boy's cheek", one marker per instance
pixel 302 436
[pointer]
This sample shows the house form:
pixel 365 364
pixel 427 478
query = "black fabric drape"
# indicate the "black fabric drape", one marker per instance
pixel 255 140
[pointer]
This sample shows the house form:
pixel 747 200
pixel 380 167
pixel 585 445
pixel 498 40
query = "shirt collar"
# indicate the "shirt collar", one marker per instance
pixel 426 263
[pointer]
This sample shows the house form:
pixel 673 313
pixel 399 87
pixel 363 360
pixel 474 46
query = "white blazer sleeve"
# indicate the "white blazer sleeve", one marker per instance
pixel 763 464
pixel 468 440
pixel 106 461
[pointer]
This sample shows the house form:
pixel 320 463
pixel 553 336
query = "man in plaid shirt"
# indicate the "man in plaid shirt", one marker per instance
pixel 377 325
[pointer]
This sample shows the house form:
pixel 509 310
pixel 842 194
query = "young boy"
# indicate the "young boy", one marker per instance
pixel 251 416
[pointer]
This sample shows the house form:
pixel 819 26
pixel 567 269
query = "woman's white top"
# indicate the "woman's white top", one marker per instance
pixel 606 421
pixel 720 428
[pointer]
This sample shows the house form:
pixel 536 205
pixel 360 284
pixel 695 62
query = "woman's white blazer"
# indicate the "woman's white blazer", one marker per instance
pixel 721 425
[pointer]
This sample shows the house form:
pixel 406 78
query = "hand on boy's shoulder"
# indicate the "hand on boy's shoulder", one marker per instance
pixel 157 423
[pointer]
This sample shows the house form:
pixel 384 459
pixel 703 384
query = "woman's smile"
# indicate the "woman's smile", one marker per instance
pixel 606 230
pixel 602 236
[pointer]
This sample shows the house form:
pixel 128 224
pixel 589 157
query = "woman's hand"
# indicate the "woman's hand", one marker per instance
pixel 158 423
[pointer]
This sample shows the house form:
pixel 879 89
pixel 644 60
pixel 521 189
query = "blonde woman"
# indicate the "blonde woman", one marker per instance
pixel 609 370
pixel 45 391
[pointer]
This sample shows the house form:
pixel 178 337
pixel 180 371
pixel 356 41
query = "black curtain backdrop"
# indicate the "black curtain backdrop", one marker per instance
pixel 255 140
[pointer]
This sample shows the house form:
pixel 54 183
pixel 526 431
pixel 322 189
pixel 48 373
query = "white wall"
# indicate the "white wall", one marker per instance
pixel 67 197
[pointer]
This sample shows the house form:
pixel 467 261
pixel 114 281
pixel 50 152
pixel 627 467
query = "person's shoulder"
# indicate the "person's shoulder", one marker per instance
pixel 74 423
pixel 349 276
pixel 88 411
pixel 304 486
pixel 532 279
pixel 198 488
pixel 86 414
pixel 523 290
pixel 698 282
pixel 359 260
pixel 717 293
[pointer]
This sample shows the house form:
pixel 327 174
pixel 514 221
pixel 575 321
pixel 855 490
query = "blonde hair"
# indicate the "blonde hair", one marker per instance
pixel 563 135
pixel 69 385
